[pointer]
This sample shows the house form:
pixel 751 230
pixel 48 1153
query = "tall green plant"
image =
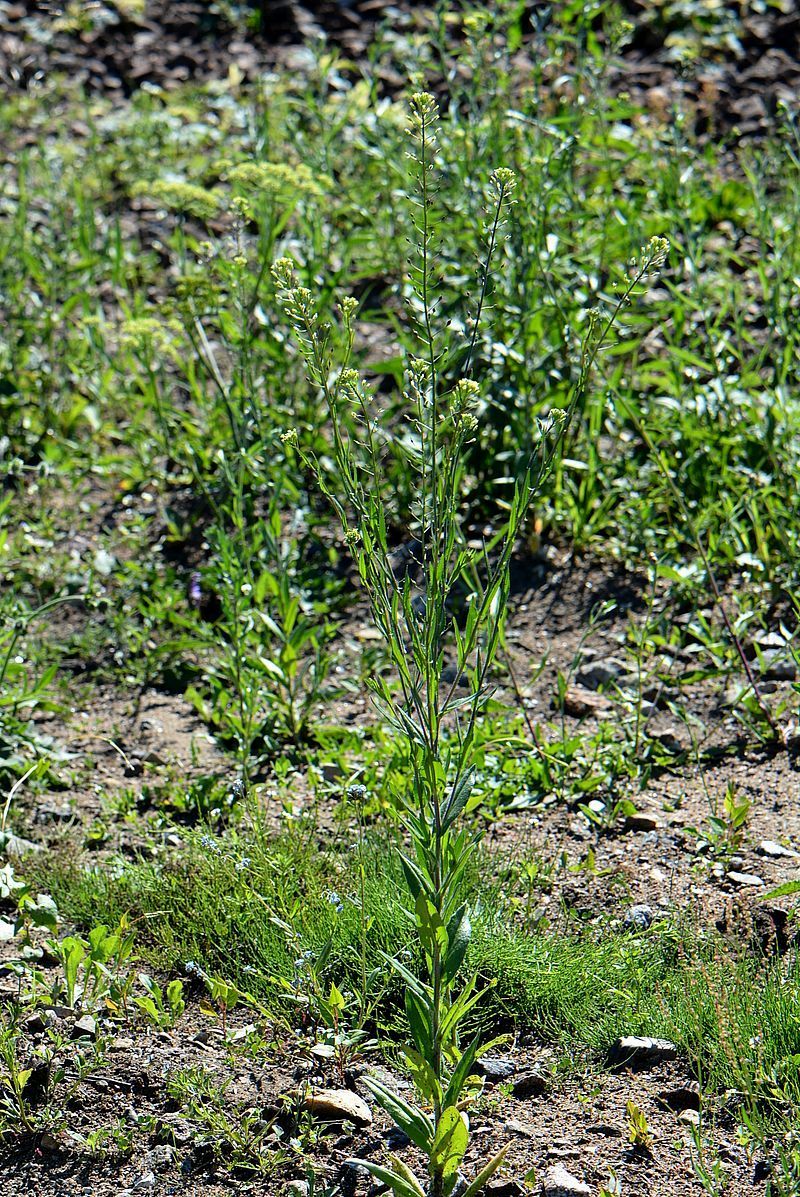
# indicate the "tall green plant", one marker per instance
pixel 435 638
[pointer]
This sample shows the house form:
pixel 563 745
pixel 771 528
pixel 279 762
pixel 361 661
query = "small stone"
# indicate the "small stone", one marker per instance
pixel 504 1188
pixel 689 1117
pixel 640 1051
pixel 297 1188
pixel 144 1183
pixel 766 640
pixel 600 673
pixel 642 821
pixel 35 1023
pixel 639 918
pixel 176 1131
pixel 15 845
pixel 120 1044
pixel 745 879
pixel 495 1069
pixel 339 1105
pixel 50 813
pixel 579 702
pixel 49 1142
pixel 161 1157
pixel 682 1098
pixel 520 1128
pixel 773 848
pixel 774 665
pixel 560 1183
pixel 529 1084
pixel 85 1025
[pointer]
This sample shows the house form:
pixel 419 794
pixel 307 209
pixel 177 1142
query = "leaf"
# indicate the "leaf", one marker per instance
pixel 431 927
pixel 461 1072
pixel 450 1144
pixel 486 1173
pixel 783 891
pixel 459 930
pixel 43 912
pixel 416 1124
pixel 411 981
pixel 459 796
pixel 399 1185
pixel 423 1075
pixel 419 1022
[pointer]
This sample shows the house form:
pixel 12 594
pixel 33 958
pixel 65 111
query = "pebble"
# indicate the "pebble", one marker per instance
pixel 85 1025
pixel 495 1068
pixel 773 848
pixel 144 1183
pixel 580 701
pixel 774 665
pixel 640 1051
pixel 642 821
pixel 600 673
pixel 689 1117
pixel 520 1128
pixel 339 1105
pixel 560 1183
pixel 639 918
pixel 15 845
pixel 744 879
pixel 529 1084
pixel 50 813
pixel 504 1188
pixel 297 1188
pixel 161 1157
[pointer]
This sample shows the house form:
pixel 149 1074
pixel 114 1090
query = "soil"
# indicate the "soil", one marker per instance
pixel 734 86
pixel 125 742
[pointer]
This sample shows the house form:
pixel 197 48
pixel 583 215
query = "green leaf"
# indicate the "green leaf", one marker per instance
pixel 419 1021
pixel 411 981
pixel 423 1075
pixel 400 1185
pixel 459 796
pixel 461 1071
pixel 43 912
pixel 430 925
pixel 450 1144
pixel 459 930
pixel 783 891
pixel 486 1173
pixel 416 1124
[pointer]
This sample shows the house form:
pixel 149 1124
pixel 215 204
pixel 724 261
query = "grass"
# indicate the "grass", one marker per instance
pixel 168 449
pixel 579 990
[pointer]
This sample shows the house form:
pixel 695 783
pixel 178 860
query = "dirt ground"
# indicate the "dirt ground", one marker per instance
pixel 733 88
pixel 121 741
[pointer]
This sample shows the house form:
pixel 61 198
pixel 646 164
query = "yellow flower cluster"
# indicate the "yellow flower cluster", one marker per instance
pixel 279 179
pixel 181 197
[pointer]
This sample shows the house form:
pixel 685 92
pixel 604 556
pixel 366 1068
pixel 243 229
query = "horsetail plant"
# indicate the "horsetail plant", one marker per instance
pixel 435 640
